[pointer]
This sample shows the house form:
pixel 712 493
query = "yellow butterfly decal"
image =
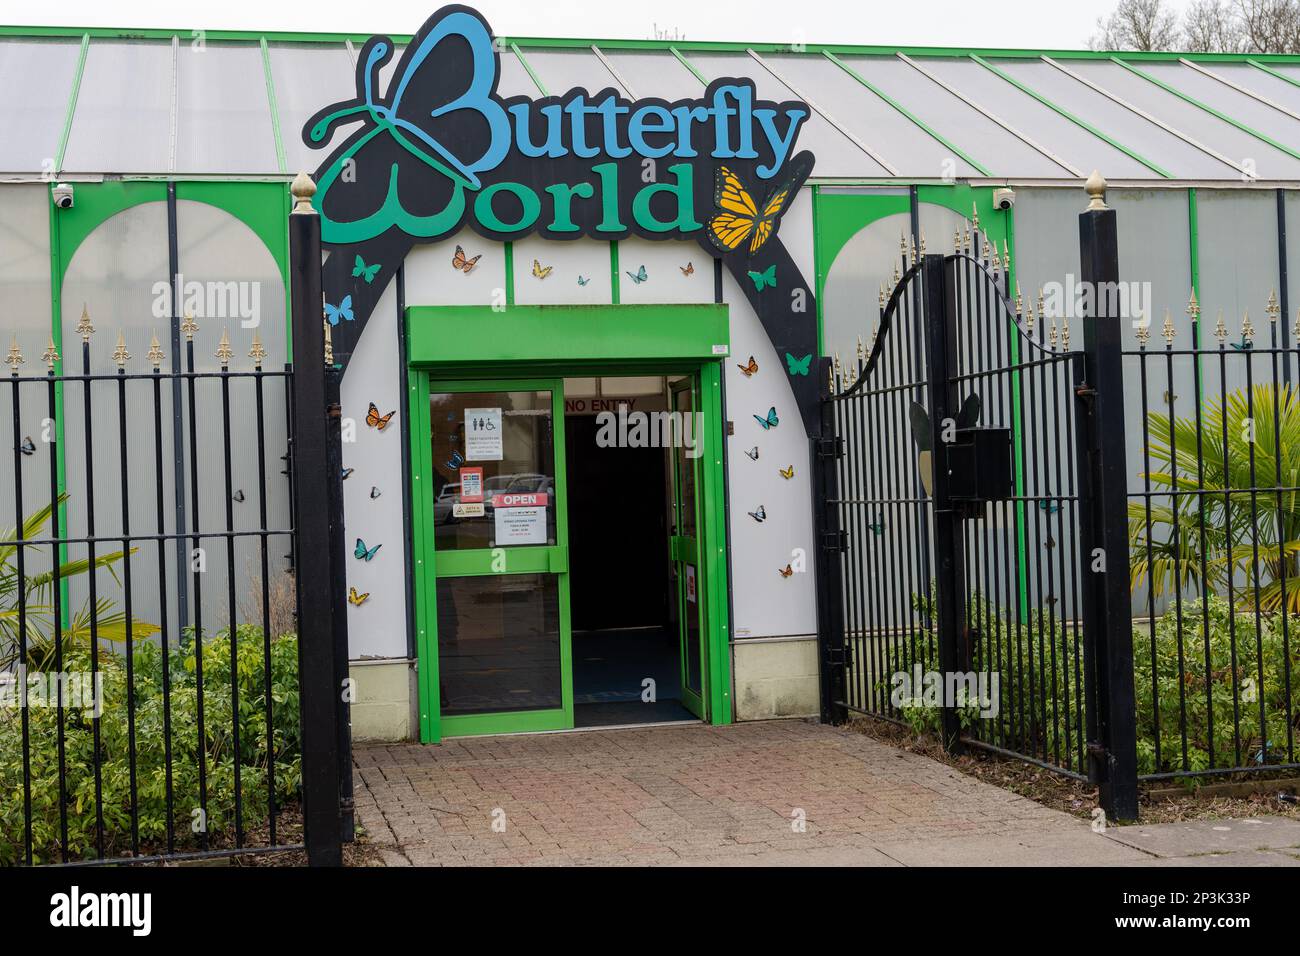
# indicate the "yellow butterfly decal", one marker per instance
pixel 355 599
pixel 749 369
pixel 787 473
pixel 738 217
pixel 540 271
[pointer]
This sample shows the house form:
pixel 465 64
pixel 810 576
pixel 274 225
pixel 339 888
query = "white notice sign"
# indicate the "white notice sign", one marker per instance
pixel 483 434
pixel 520 526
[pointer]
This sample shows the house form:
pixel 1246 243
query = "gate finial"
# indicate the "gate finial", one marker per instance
pixel 302 190
pixel 1095 187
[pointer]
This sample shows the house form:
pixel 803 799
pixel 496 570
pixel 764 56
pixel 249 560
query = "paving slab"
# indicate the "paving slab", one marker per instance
pixel 1210 836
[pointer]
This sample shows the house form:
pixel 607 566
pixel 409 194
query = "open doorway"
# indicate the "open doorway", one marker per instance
pixel 623 590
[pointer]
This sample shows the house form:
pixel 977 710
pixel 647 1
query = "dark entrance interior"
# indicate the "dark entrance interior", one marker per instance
pixel 622 595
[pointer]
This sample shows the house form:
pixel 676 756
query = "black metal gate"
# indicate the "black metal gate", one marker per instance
pixel 961 528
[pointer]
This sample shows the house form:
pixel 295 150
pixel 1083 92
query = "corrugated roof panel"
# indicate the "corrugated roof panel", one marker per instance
pixel 960 123
pixel 1258 81
pixel 1240 106
pixel 37 76
pixel 223 116
pixel 908 146
pixel 123 119
pixel 308 78
pixel 1236 144
pixel 564 70
pixel 837 155
pixel 655 74
pixel 514 80
pixel 1180 158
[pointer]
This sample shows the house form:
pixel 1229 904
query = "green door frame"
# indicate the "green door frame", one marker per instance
pixel 483 347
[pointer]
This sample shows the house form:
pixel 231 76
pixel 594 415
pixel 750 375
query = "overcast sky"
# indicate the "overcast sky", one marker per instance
pixel 983 23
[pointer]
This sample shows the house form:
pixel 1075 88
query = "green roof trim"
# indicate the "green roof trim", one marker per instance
pixel 934 134
pixel 275 110
pixel 529 69
pixel 1207 108
pixel 688 64
pixel 1272 72
pixel 73 94
pixel 1077 121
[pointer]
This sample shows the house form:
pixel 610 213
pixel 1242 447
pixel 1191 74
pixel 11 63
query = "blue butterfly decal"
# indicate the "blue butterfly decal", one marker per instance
pixel 360 268
pixel 455 461
pixel 362 553
pixel 417 124
pixel 341 311
pixel 798 366
pixel 771 421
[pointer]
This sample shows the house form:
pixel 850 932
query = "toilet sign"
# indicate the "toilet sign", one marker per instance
pixel 483 434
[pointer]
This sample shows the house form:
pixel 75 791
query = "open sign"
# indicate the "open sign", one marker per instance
pixel 520 500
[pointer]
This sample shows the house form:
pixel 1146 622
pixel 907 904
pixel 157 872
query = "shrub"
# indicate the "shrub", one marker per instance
pixel 149 703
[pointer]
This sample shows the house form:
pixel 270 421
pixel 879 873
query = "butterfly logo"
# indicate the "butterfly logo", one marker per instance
pixel 28 447
pixel 455 461
pixel 1245 345
pixel 459 261
pixel 341 311
pixel 375 420
pixel 540 271
pixel 771 421
pixel 739 218
pixel 688 269
pixel 359 268
pixel 798 366
pixel 238 496
pixel 346 473
pixel 919 418
pixel 374 492
pixel 355 599
pixel 411 125
pixel 582 281
pixel 639 276
pixel 787 473
pixel 786 571
pixel 752 453
pixel 765 279
pixel 1051 507
pixel 760 515
pixel 749 369
pixel 362 553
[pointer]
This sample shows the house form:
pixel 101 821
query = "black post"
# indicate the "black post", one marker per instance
pixel 338 598
pixel 829 567
pixel 1103 521
pixel 313 521
pixel 949 574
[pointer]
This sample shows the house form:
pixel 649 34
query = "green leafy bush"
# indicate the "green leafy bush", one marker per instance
pixel 217 749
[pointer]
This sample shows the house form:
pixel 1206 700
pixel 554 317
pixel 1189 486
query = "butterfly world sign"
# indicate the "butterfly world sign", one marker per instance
pixel 438 150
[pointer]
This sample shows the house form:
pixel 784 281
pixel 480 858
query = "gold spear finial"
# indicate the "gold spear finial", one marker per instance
pixel 1296 328
pixel 1167 329
pixel 1029 319
pixel 902 246
pixel 881 298
pixel 1051 336
pixel 257 353
pixel 975 213
pixel 1065 332
pixel 1144 329
pixel 1020 300
pixel 120 355
pixel 51 355
pixel 15 356
pixel 1006 255
pixel 189 327
pixel 329 345
pixel 224 353
pixel 1194 307
pixel 1220 330
pixel 1272 310
pixel 84 327
pixel 862 349
pixel 921 248
pixel 1247 330
pixel 155 353
pixel 915 255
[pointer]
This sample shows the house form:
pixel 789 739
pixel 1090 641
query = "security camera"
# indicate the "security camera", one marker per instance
pixel 1004 198
pixel 63 195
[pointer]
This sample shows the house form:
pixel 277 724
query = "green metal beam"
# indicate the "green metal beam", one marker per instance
pixel 72 104
pixel 528 67
pixel 271 104
pixel 687 63
pixel 1285 77
pixel 1076 120
pixel 934 134
pixel 1207 108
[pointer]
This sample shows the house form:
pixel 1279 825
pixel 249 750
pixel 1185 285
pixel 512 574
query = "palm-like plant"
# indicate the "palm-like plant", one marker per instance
pixel 31 603
pixel 1217 530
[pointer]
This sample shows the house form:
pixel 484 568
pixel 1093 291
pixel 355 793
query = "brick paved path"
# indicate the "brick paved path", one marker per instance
pixel 700 795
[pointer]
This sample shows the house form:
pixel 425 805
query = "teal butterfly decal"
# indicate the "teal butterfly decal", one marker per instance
pixel 639 276
pixel 1051 507
pixel 771 421
pixel 765 279
pixel 361 269
pixel 582 281
pixel 878 526
pixel 455 461
pixel 798 366
pixel 341 311
pixel 362 553
pixel 1245 345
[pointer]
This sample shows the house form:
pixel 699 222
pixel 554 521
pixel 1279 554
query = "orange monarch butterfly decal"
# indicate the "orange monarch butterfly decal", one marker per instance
pixel 749 369
pixel 375 420
pixel 738 217
pixel 463 264
pixel 786 571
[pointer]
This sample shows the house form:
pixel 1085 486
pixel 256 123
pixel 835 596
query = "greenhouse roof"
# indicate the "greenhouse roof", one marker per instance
pixel 89 102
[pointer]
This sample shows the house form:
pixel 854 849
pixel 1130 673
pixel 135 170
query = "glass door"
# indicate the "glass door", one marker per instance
pixel 500 553
pixel 684 544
